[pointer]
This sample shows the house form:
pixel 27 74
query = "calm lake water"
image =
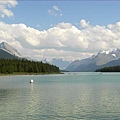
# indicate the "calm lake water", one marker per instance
pixel 74 96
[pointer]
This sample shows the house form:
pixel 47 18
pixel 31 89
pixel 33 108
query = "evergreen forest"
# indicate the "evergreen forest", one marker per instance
pixel 12 66
pixel 109 69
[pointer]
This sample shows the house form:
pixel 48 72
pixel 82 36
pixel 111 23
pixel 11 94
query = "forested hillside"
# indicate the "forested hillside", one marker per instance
pixel 109 69
pixel 10 66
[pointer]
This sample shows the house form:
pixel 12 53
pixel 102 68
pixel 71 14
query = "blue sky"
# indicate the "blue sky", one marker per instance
pixel 60 29
pixel 35 13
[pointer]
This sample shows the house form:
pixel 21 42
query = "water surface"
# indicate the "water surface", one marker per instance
pixel 69 96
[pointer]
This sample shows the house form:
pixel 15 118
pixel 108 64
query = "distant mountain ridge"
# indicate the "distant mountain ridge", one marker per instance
pixel 8 52
pixel 62 64
pixel 102 58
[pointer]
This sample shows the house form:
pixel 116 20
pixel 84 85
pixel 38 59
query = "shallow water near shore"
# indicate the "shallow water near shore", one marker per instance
pixel 69 96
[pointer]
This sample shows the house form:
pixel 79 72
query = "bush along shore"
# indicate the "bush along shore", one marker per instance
pixel 17 66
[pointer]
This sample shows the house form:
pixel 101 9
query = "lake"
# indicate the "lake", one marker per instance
pixel 69 96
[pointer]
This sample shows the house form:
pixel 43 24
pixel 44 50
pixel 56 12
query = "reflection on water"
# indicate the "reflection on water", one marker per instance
pixel 60 97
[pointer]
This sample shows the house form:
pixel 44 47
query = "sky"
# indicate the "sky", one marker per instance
pixel 71 30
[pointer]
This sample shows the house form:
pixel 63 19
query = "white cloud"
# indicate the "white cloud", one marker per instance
pixel 7 12
pixel 55 11
pixel 115 28
pixel 84 24
pixel 5 6
pixel 64 25
pixel 56 8
pixel 51 12
pixel 53 53
pixel 63 40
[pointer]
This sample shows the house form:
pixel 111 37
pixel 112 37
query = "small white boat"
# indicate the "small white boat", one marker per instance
pixel 31 81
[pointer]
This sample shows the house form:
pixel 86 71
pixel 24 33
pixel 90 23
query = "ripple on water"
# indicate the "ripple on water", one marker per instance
pixel 61 97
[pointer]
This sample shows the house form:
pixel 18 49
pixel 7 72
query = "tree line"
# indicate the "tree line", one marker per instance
pixel 109 69
pixel 10 66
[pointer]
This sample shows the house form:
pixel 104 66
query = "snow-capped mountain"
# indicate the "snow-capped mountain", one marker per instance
pixel 95 61
pixel 8 52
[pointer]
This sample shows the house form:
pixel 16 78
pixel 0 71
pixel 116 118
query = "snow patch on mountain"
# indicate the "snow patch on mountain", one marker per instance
pixel 8 48
pixel 97 60
pixel 103 52
pixel 114 55
pixel 107 52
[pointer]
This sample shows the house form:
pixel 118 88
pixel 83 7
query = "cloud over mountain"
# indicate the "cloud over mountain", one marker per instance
pixel 63 38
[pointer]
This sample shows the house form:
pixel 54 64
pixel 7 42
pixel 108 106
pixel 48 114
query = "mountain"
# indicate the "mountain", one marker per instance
pixel 60 63
pixel 8 52
pixel 44 61
pixel 112 63
pixel 94 62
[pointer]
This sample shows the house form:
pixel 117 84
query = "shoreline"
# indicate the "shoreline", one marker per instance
pixel 15 74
